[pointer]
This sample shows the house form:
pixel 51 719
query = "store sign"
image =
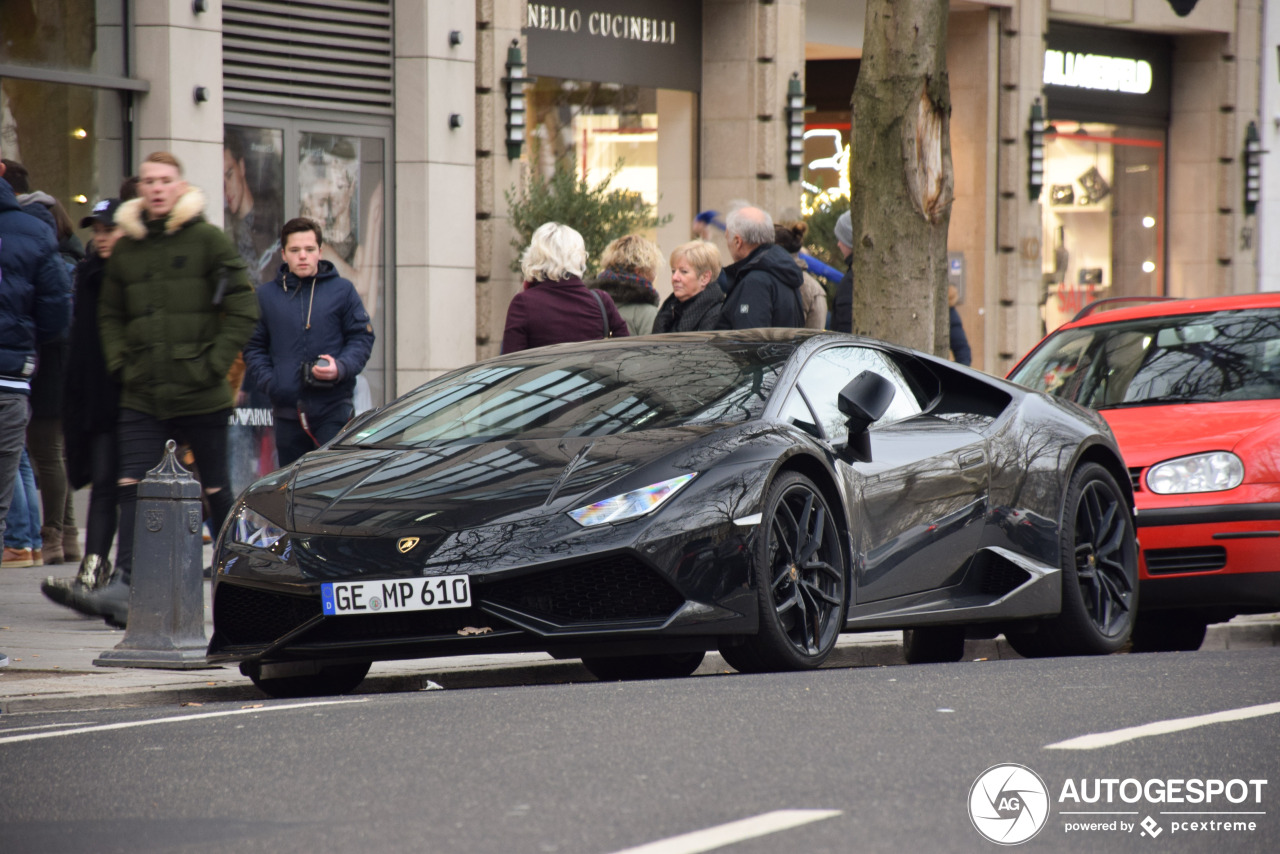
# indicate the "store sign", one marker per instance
pixel 651 43
pixel 1101 74
pixel 1091 71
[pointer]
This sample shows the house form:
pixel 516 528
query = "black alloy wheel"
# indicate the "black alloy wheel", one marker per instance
pixel 1099 573
pixel 800 579
pixel 329 679
pixel 663 666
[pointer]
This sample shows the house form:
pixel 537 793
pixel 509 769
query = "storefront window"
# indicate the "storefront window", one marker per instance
pixel 1103 215
pixel 591 128
pixel 68 35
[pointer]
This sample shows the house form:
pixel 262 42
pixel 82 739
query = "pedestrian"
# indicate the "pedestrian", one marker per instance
pixel 629 265
pixel 90 409
pixel 58 537
pixel 842 304
pixel 790 236
pixel 694 303
pixel 555 306
pixel 22 543
pixel 176 307
pixel 35 306
pixel 764 283
pixel 959 341
pixel 312 339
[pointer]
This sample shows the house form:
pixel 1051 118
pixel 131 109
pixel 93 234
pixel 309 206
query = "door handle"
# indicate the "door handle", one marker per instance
pixel 969 459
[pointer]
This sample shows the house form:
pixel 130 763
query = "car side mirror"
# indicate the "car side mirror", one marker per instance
pixel 862 401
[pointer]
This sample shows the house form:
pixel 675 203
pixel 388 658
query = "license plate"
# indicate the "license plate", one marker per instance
pixel 401 594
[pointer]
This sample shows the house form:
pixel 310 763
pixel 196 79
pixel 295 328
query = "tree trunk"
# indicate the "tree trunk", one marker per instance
pixel 902 182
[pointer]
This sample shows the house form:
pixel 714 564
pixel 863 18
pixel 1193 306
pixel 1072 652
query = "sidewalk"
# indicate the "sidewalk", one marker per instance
pixel 51 652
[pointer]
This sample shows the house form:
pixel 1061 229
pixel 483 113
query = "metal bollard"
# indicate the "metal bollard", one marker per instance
pixel 166 598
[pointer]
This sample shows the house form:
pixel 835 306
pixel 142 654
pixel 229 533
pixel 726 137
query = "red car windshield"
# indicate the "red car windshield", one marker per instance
pixel 1189 358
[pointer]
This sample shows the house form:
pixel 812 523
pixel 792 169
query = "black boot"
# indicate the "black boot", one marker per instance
pixel 110 602
pixel 95 570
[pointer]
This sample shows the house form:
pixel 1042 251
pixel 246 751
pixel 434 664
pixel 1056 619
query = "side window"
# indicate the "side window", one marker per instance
pixel 831 370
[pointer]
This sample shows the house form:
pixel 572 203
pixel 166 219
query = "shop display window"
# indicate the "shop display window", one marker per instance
pixel 1103 215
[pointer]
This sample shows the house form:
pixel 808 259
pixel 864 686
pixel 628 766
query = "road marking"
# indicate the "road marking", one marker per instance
pixel 1107 739
pixel 43 726
pixel 32 736
pixel 735 831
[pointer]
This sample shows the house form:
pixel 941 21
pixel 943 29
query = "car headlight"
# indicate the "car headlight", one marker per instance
pixel 253 529
pixel 629 505
pixel 1212 472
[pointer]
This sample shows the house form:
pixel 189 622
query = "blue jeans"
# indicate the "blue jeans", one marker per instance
pixel 22 525
pixel 14 412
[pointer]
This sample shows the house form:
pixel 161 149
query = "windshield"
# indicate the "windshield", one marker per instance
pixel 597 392
pixel 1190 358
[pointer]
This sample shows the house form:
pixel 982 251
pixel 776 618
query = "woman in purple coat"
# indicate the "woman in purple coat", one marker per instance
pixel 555 306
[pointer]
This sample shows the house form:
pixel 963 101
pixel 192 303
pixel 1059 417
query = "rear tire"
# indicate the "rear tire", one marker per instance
pixel 674 665
pixel 800 582
pixel 1169 631
pixel 1099 560
pixel 330 679
pixel 933 644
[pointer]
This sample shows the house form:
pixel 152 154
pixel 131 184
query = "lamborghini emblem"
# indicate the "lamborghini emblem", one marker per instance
pixel 406 544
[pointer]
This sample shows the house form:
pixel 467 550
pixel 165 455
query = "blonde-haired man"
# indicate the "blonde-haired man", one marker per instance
pixel 175 310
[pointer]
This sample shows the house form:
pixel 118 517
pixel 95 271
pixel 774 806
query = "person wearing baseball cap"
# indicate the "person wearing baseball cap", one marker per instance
pixel 90 408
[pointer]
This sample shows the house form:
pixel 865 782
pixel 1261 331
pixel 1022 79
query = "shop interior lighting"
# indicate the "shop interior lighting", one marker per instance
pixel 80 133
pixel 1148 266
pixel 1148 222
pixel 795 127
pixel 1035 143
pixel 515 83
pixel 1252 169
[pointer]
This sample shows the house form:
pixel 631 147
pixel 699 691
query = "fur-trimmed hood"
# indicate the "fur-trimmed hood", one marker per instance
pixel 625 289
pixel 189 208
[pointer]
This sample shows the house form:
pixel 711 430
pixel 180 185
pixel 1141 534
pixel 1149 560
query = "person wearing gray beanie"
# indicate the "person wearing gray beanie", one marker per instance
pixel 842 308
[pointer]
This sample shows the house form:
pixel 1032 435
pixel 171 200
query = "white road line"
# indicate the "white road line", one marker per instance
pixel 32 736
pixel 735 831
pixel 1106 739
pixel 43 726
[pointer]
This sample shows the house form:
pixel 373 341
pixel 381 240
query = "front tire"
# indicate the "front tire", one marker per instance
pixel 328 679
pixel 800 582
pixel 674 665
pixel 1099 559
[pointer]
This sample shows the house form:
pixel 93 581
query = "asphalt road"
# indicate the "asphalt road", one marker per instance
pixel 891 755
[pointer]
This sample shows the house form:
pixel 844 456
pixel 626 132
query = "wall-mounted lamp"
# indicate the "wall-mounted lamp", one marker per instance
pixel 199 7
pixel 515 82
pixel 200 94
pixel 1035 143
pixel 455 121
pixel 1252 169
pixel 795 127
pixel 455 38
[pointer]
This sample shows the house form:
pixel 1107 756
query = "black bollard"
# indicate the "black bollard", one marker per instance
pixel 166 599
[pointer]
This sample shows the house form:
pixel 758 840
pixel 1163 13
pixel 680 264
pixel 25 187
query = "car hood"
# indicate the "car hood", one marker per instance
pixel 1150 434
pixel 373 492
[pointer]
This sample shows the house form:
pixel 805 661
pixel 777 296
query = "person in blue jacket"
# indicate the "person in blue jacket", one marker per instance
pixel 313 338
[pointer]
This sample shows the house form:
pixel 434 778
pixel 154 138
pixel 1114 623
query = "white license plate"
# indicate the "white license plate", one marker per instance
pixel 401 594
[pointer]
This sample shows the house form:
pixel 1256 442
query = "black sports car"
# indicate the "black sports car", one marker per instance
pixel 635 502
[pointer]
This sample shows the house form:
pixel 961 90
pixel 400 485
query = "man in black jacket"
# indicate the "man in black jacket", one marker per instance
pixel 313 338
pixel 764 281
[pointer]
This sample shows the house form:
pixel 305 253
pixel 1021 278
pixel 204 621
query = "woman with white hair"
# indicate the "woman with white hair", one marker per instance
pixel 555 306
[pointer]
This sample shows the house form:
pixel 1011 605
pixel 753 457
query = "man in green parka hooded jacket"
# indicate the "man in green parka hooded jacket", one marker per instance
pixel 176 308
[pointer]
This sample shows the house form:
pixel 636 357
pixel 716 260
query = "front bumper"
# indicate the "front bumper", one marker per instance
pixel 1213 556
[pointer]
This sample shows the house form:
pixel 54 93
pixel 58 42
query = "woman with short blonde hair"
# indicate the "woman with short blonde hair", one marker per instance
pixel 555 306
pixel 629 265
pixel 696 296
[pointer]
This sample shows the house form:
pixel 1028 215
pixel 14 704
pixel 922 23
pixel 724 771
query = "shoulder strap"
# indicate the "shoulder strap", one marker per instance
pixel 604 315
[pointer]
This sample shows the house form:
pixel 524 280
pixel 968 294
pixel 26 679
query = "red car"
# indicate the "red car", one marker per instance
pixel 1191 389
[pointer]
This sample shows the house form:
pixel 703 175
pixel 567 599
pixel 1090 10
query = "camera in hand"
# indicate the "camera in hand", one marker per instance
pixel 309 379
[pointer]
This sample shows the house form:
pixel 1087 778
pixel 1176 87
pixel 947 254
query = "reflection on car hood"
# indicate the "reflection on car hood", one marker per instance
pixel 370 492
pixel 1150 434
